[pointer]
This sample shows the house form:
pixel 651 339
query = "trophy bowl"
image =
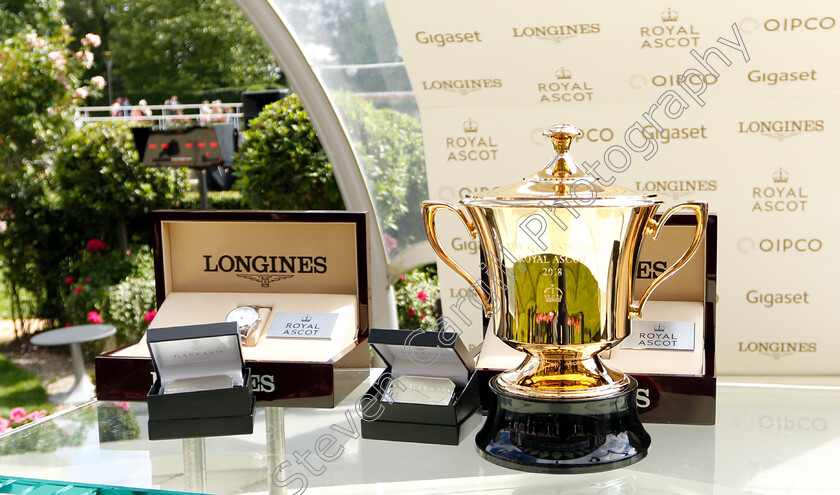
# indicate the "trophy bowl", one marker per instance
pixel 560 248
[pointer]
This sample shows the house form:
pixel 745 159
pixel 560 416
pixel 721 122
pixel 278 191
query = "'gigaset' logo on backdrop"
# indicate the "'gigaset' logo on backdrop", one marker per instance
pixel 780 129
pixel 265 269
pixel 780 195
pixel 471 146
pixel 564 87
pixel 777 350
pixel 462 86
pixel 556 32
pixel 669 33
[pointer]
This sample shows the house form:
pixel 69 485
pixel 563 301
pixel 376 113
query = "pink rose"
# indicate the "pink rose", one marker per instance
pixel 94 317
pixel 421 294
pixel 95 245
pixel 93 39
pixel 4 424
pixel 411 312
pixel 36 415
pixel 422 316
pixel 98 81
pixel 125 405
pixel 17 414
pixel 150 316
pixel 69 280
pixel 76 290
pixel 81 93
pixel 389 242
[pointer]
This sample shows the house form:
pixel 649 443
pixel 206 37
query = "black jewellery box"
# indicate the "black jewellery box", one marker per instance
pixel 202 387
pixel 420 354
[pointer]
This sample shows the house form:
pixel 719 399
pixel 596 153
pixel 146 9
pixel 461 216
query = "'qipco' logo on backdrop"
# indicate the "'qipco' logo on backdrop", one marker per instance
pixel 471 146
pixel 564 88
pixel 669 33
pixel 780 196
pixel 748 245
pixel 639 81
pixel 555 32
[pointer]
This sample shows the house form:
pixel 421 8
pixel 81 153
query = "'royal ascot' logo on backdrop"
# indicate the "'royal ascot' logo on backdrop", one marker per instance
pixel 462 86
pixel 556 32
pixel 780 195
pixel 564 87
pixel 780 129
pixel 471 146
pixel 265 269
pixel 669 32
pixel 777 350
pixel 677 188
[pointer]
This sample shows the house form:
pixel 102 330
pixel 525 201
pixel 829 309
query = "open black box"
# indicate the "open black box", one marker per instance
pixel 433 354
pixel 195 352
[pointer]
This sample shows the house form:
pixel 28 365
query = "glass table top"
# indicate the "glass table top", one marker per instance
pixel 769 439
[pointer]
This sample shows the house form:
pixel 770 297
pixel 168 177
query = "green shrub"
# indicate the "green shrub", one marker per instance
pixel 417 292
pixel 389 147
pixel 99 177
pixel 216 200
pixel 281 164
pixel 131 303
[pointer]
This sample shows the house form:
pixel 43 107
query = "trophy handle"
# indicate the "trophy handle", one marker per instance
pixel 430 208
pixel 701 211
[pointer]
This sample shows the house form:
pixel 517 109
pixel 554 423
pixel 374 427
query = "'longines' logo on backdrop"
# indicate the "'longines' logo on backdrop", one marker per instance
pixel 462 86
pixel 265 269
pixel 472 146
pixel 777 350
pixel 751 25
pixel 677 188
pixel 780 129
pixel 669 33
pixel 556 33
pixel 563 87
pixel 781 196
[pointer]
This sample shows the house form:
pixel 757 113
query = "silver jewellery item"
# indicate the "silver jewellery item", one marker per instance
pixel 247 319
pixel 420 390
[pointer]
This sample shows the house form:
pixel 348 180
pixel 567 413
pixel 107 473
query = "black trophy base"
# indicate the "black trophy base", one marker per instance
pixel 563 437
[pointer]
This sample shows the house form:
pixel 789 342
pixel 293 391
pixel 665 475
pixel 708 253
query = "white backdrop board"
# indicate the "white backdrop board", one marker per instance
pixel 735 103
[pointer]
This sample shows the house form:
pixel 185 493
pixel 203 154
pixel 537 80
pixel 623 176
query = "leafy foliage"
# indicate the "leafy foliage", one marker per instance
pixel 417 293
pixel 281 164
pixel 130 303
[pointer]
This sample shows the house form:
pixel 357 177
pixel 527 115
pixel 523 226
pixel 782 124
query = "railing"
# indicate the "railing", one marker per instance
pixel 164 115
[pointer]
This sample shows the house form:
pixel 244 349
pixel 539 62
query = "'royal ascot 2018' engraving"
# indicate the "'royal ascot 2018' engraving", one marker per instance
pixel 780 196
pixel 564 88
pixel 669 33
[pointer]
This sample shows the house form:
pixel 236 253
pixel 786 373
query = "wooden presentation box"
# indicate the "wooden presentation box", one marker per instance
pixel 312 264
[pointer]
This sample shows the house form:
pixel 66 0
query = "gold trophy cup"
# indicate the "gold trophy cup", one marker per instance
pixel 560 250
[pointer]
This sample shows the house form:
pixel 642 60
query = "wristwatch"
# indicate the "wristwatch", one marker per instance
pixel 247 319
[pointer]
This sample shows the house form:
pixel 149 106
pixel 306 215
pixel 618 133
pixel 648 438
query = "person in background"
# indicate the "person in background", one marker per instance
pixel 115 107
pixel 145 111
pixel 218 112
pixel 205 112
pixel 126 104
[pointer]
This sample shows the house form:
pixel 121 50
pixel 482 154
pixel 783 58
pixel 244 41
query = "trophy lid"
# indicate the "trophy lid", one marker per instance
pixel 561 179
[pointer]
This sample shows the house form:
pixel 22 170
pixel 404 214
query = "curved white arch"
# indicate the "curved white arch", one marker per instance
pixel 271 26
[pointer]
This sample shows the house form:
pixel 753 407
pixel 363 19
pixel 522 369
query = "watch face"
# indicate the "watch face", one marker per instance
pixel 245 317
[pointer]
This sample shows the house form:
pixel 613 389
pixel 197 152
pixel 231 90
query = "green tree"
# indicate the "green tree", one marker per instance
pixel 177 46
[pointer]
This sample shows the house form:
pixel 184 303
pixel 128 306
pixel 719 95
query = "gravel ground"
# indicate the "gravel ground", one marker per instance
pixel 53 369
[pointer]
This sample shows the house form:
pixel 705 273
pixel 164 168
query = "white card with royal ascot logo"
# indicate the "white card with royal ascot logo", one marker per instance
pixel 302 326
pixel 660 335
